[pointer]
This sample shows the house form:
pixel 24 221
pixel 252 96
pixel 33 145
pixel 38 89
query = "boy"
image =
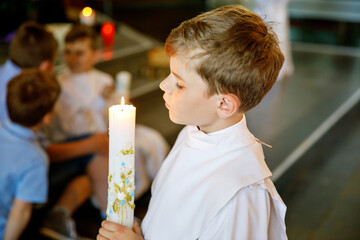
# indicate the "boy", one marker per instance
pixel 214 183
pixel 23 166
pixel 79 113
pixel 85 89
pixel 32 47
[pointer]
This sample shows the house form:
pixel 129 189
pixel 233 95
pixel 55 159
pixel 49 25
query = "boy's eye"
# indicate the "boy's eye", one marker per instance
pixel 179 86
pixel 178 83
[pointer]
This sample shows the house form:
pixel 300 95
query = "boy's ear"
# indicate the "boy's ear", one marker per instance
pixel 46 66
pixel 47 118
pixel 228 105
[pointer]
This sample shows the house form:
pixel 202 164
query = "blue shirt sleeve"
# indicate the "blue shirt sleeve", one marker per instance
pixel 32 185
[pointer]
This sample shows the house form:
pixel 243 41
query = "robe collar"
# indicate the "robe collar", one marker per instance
pixel 228 139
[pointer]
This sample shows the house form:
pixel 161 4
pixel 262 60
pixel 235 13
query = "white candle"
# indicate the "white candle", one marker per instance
pixel 121 184
pixel 87 16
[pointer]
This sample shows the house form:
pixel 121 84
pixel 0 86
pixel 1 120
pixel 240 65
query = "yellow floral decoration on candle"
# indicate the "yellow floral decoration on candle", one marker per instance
pixel 124 191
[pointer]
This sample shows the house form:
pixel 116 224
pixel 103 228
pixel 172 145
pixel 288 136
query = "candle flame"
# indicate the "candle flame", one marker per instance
pixel 87 11
pixel 122 100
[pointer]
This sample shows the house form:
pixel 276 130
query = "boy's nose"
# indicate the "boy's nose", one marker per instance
pixel 161 85
pixel 73 57
pixel 164 85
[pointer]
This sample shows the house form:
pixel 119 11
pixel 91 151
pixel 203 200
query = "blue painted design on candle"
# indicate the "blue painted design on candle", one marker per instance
pixel 132 194
pixel 122 164
pixel 122 202
pixel 127 181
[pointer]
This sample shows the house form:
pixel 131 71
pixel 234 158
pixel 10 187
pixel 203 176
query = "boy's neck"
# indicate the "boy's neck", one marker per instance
pixel 222 123
pixel 82 72
pixel 35 128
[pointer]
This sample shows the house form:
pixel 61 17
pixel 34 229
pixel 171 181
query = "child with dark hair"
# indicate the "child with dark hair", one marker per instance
pixel 214 184
pixel 31 47
pixel 23 167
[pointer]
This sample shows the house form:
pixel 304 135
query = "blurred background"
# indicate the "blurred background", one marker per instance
pixel 311 117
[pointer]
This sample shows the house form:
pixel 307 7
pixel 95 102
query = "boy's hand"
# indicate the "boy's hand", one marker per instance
pixel 100 143
pixel 108 91
pixel 114 231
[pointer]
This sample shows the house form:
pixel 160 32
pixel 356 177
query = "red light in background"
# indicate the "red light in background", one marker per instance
pixel 108 33
pixel 108 28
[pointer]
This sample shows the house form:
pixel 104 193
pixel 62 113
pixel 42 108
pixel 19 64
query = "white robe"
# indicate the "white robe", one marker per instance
pixel 215 186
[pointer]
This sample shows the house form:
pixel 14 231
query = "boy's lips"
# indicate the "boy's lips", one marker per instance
pixel 166 104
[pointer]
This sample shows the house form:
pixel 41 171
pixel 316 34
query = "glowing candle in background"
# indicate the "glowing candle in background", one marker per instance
pixel 123 84
pixel 87 16
pixel 121 184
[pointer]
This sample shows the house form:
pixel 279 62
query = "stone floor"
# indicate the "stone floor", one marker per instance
pixel 322 189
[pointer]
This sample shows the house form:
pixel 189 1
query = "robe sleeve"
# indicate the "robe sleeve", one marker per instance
pixel 248 215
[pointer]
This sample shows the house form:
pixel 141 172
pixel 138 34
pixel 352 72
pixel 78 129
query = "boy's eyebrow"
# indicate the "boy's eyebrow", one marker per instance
pixel 177 76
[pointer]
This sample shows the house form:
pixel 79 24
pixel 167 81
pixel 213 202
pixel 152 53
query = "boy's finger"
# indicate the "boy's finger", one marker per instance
pixel 100 237
pixel 110 226
pixel 137 229
pixel 105 234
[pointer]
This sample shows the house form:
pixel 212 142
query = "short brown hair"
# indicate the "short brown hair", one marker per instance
pixel 81 31
pixel 237 52
pixel 30 96
pixel 32 45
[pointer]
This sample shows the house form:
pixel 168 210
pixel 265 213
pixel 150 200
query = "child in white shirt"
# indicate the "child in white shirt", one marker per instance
pixel 81 113
pixel 84 89
pixel 214 184
pixel 82 108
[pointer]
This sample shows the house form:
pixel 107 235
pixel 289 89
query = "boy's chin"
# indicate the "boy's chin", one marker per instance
pixel 77 70
pixel 176 120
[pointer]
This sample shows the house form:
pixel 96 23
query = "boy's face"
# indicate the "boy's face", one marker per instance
pixel 79 56
pixel 186 97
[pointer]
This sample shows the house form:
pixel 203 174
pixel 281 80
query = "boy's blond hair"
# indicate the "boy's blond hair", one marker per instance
pixel 81 31
pixel 30 96
pixel 32 45
pixel 234 50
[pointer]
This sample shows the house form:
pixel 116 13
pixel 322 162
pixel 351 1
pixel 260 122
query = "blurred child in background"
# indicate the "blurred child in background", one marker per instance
pixel 23 167
pixel 34 47
pixel 82 111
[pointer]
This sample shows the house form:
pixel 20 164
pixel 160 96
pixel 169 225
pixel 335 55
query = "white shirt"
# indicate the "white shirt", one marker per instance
pixel 80 107
pixel 215 186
